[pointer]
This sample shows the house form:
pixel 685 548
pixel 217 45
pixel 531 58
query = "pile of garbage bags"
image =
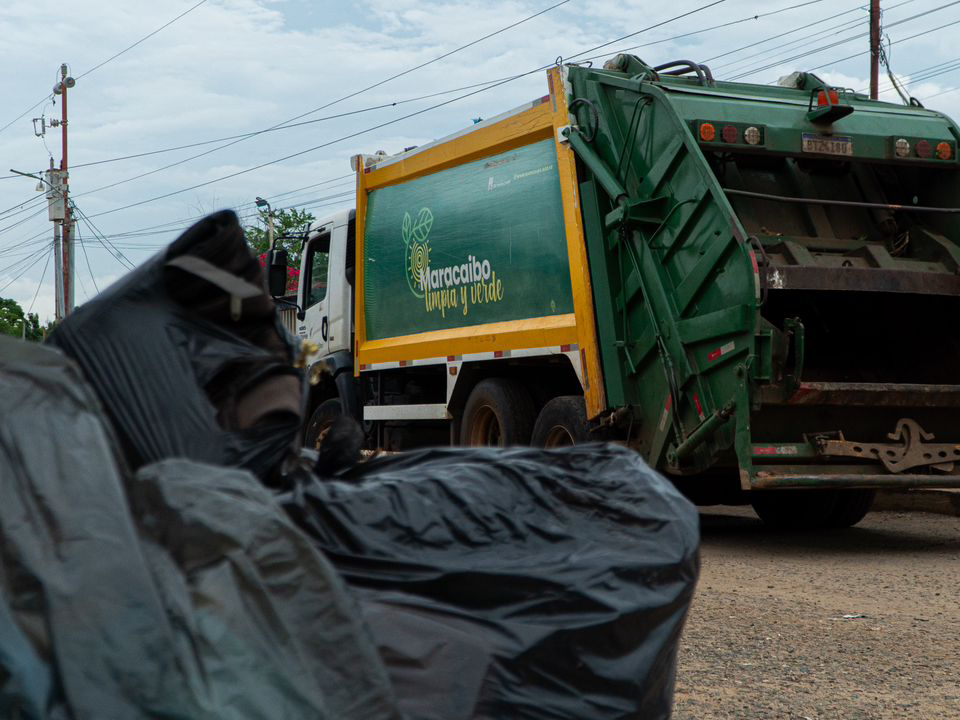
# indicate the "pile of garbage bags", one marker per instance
pixel 166 552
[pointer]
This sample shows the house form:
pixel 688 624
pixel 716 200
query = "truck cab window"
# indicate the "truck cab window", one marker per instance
pixel 319 260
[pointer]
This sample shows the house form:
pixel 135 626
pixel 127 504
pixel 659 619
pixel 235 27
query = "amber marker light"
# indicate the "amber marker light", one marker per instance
pixel 944 151
pixel 708 133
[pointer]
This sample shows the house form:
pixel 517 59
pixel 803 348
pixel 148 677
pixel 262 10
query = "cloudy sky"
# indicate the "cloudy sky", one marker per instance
pixel 186 122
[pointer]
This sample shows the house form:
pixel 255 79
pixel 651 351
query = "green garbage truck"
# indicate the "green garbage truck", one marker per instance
pixel 756 287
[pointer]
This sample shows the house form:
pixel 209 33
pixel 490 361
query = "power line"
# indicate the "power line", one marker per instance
pixel 643 30
pixel 388 122
pixel 83 246
pixel 287 123
pixel 39 284
pixel 22 220
pixel 118 255
pixel 39 257
pixel 32 199
pixel 840 42
pixel 708 29
pixel 926 73
pixel 96 67
pixel 895 42
pixel 145 37
pixel 783 34
pixel 779 50
pixel 424 64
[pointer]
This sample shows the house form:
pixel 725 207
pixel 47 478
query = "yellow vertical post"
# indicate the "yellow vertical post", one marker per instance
pixel 594 393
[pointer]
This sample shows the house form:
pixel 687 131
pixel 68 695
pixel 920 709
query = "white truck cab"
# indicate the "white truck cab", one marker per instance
pixel 325 294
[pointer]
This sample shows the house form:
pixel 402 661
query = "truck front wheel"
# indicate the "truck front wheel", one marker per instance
pixel 563 421
pixel 320 422
pixel 499 412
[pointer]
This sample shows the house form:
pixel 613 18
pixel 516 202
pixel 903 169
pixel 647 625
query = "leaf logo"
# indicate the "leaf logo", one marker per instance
pixel 415 233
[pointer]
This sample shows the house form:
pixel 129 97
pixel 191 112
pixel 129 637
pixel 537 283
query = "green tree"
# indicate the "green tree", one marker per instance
pixel 289 227
pixel 13 321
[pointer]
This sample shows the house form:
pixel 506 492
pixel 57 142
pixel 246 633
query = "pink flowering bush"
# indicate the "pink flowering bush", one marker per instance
pixel 293 275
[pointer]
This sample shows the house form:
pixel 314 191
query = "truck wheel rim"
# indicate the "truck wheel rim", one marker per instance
pixel 559 436
pixel 485 429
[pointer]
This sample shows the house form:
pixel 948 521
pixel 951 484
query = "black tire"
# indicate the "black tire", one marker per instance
pixel 499 412
pixel 562 422
pixel 320 422
pixel 851 507
pixel 794 509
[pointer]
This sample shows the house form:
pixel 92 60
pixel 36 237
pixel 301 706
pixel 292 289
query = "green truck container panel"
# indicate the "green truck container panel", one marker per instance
pixel 756 302
pixel 479 243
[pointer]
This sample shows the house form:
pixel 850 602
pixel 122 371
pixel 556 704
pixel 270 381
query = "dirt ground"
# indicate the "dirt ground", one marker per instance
pixel 767 637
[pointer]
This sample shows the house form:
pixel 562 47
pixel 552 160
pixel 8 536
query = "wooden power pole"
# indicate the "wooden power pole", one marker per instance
pixel 874 47
pixel 67 258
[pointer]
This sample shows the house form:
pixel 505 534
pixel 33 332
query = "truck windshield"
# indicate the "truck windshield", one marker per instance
pixel 319 260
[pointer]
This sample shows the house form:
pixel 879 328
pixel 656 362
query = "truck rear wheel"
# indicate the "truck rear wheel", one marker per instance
pixel 320 422
pixel 794 509
pixel 851 507
pixel 563 421
pixel 499 412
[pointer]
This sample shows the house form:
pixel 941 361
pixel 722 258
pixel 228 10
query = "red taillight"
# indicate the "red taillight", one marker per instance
pixel 944 151
pixel 730 134
pixel 708 133
pixel 923 149
pixel 822 98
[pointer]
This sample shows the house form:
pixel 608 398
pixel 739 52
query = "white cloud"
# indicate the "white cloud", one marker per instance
pixel 234 66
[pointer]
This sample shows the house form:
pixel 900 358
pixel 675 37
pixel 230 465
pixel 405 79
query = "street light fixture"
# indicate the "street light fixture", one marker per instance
pixel 261 203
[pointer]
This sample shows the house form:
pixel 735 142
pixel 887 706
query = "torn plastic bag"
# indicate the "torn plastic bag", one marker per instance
pixel 515 583
pixel 188 356
pixel 185 592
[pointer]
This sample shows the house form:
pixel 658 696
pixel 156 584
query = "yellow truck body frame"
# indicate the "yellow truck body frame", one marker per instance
pixel 543 120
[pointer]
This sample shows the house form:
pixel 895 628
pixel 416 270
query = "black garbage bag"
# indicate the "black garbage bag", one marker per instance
pixel 518 583
pixel 183 592
pixel 188 356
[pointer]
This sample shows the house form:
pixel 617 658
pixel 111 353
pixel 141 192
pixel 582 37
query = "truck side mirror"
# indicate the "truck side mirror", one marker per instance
pixel 277 273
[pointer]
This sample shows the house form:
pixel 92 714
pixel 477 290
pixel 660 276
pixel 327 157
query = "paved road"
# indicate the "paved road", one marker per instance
pixel 766 637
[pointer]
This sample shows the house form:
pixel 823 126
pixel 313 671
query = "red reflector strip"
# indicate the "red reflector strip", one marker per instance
pixel 451 358
pixel 696 401
pixel 666 413
pixel 721 351
pixel 564 348
pixel 776 450
pixel 404 363
pixel 363 367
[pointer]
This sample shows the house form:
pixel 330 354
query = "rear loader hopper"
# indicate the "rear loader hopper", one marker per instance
pixel 776 275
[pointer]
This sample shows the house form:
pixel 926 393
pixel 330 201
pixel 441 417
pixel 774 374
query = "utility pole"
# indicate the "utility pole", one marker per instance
pixel 874 47
pixel 55 204
pixel 67 252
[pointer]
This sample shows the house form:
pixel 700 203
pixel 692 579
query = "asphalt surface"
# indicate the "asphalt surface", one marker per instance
pixel 861 623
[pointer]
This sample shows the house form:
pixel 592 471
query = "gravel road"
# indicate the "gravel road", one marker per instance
pixel 767 637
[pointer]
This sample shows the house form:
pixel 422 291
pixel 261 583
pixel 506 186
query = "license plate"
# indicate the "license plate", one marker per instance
pixel 827 145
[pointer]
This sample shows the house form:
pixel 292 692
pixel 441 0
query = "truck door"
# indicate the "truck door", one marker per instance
pixel 316 323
